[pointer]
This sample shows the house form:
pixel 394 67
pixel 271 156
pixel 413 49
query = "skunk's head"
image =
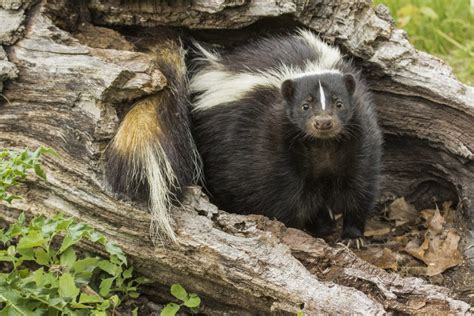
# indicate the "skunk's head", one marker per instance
pixel 321 105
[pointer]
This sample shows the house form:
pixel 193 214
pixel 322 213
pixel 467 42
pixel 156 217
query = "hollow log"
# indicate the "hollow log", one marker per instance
pixel 68 74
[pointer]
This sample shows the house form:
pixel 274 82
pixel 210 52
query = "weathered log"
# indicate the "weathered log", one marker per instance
pixel 68 95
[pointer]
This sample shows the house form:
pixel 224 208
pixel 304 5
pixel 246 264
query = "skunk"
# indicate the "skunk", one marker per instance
pixel 282 126
pixel 286 128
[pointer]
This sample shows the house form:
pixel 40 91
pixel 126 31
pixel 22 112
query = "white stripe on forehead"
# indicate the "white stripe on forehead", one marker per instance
pixel 321 96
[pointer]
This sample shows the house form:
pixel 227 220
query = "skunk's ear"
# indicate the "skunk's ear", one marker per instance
pixel 288 89
pixel 350 83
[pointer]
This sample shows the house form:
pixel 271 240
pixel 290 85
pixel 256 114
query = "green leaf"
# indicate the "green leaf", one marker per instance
pixel 179 292
pixel 64 224
pixel 37 223
pixel 11 251
pixel 40 172
pixel 68 241
pixel 135 311
pixel 105 285
pixel 108 267
pixel 300 313
pixel 193 301
pixel 14 230
pixel 142 280
pixel 84 278
pixel 23 273
pixel 3 237
pixel 127 273
pixel 49 228
pixel 113 249
pixel 48 150
pixel 26 254
pixel 67 288
pixel 7 258
pixel 50 281
pixel 104 305
pixel 97 237
pixel 21 219
pixel 38 276
pixel 41 256
pixel 68 258
pixel 170 309
pixel 86 264
pixel 80 306
pixel 115 300
pixel 57 301
pixel 33 239
pixel 90 298
pixel 78 229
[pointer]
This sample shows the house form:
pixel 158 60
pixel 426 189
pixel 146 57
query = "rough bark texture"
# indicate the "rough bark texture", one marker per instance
pixel 64 94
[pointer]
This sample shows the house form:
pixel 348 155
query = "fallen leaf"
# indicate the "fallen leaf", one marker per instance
pixel 377 232
pixel 384 259
pixel 401 239
pixel 427 214
pixel 416 250
pixel 436 224
pixel 439 252
pixel 375 227
pixel 402 212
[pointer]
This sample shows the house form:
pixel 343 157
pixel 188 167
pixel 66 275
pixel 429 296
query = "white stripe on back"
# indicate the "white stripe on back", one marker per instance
pixel 216 85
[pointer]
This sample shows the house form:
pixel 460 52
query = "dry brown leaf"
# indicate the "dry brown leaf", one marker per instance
pixel 427 214
pixel 416 250
pixel 384 259
pixel 402 212
pixel 443 253
pixel 438 252
pixel 377 232
pixel 375 228
pixel 402 239
pixel 436 224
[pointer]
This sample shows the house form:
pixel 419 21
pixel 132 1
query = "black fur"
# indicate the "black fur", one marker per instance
pixel 263 154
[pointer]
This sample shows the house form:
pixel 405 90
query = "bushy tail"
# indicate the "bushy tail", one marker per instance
pixel 153 154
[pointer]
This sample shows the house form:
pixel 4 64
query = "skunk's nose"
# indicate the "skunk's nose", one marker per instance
pixel 323 123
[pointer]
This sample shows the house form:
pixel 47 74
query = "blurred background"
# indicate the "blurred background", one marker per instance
pixel 444 28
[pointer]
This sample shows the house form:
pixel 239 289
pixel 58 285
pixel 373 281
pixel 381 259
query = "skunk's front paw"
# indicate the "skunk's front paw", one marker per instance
pixel 352 234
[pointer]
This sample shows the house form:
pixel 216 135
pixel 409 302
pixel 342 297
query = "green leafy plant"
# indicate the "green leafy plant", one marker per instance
pixel 45 275
pixel 192 301
pixel 15 166
pixel 41 273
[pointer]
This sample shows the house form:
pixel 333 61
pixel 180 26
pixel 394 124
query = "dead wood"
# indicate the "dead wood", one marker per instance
pixel 63 93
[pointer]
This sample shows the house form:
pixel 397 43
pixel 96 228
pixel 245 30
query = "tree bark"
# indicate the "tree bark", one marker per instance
pixel 63 93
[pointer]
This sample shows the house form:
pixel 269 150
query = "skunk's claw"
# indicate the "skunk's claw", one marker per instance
pixel 358 242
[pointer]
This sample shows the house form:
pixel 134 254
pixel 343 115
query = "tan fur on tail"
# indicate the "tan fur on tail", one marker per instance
pixel 138 138
pixel 153 154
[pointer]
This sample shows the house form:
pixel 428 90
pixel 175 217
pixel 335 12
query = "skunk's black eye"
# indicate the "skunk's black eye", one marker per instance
pixel 339 104
pixel 305 106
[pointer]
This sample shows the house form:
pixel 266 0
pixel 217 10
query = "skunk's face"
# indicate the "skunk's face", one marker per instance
pixel 320 105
